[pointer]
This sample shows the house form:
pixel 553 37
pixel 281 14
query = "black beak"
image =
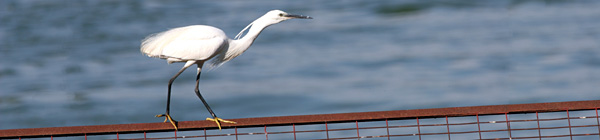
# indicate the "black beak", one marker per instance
pixel 298 16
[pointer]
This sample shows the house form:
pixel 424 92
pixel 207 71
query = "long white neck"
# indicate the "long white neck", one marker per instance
pixel 238 46
pixel 244 43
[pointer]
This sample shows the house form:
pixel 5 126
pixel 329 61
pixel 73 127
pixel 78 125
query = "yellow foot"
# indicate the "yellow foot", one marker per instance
pixel 218 121
pixel 168 118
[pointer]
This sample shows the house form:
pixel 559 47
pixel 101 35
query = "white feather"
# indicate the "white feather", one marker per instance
pixel 196 42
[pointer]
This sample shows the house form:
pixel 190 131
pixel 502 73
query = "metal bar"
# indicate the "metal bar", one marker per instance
pixel 538 125
pixel 569 120
pixel 294 128
pixel 357 132
pixel 266 134
pixel 551 136
pixel 597 121
pixel 326 130
pixel 478 126
pixel 448 127
pixel 387 127
pixel 236 134
pixel 508 125
pixel 419 128
pixel 301 119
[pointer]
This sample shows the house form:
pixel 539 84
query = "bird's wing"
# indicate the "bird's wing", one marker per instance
pixel 193 48
pixel 196 42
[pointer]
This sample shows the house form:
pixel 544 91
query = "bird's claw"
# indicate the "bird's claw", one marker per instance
pixel 219 120
pixel 168 118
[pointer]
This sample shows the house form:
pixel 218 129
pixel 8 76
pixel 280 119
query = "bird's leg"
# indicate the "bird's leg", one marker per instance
pixel 166 115
pixel 215 118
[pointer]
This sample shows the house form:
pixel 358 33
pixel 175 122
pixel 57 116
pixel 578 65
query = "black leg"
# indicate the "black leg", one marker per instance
pixel 169 88
pixel 215 118
pixel 167 115
pixel 197 90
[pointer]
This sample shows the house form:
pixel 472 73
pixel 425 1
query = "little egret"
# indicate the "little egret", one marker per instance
pixel 197 44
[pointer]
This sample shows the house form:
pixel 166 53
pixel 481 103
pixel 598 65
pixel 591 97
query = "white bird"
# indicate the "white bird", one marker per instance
pixel 197 44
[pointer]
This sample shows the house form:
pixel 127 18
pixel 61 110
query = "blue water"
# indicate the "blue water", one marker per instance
pixel 68 63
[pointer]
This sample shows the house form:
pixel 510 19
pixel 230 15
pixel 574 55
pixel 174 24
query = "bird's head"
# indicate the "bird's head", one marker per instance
pixel 276 16
pixel 272 17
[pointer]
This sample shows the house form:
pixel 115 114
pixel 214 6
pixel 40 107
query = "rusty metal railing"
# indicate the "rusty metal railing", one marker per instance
pixel 577 119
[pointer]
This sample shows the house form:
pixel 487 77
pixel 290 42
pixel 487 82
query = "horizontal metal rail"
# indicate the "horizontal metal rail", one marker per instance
pixel 325 119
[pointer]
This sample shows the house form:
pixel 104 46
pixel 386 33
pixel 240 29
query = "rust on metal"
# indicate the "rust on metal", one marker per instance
pixel 301 119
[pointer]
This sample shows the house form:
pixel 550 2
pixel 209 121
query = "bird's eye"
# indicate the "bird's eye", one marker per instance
pixel 281 14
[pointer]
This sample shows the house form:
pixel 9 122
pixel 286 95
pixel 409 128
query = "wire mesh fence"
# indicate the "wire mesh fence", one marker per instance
pixel 559 120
